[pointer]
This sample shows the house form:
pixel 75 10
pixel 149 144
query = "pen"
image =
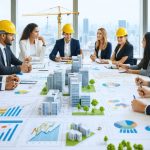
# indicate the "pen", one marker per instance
pixel 134 97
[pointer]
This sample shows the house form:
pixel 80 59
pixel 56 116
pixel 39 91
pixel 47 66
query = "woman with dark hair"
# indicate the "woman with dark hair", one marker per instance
pixel 103 48
pixel 143 68
pixel 31 44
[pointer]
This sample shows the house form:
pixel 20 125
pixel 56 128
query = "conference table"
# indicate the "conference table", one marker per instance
pixel 23 127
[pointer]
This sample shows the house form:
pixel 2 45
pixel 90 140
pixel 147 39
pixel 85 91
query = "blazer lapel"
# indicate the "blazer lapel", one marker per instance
pixel 71 47
pixel 7 57
pixel 62 47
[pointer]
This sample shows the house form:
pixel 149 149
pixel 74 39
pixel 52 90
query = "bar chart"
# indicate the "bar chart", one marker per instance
pixel 10 111
pixel 8 129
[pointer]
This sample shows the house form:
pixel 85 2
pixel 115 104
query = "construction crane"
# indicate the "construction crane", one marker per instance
pixel 59 14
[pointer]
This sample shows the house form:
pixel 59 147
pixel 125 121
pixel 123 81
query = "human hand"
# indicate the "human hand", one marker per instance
pixel 28 59
pixel 141 82
pixel 58 59
pixel 42 39
pixel 138 106
pixel 11 85
pixel 143 92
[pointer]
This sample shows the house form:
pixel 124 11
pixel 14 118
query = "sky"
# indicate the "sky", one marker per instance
pixel 97 11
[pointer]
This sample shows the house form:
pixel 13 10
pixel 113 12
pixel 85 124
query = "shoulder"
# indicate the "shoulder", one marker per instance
pixel 109 45
pixel 23 42
pixel 60 40
pixel 129 45
pixel 74 40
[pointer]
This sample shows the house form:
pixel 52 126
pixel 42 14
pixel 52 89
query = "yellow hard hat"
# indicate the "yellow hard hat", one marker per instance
pixel 7 26
pixel 121 32
pixel 67 28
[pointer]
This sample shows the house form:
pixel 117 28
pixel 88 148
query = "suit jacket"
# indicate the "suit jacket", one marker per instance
pixel 106 53
pixel 147 110
pixel 127 50
pixel 25 50
pixel 59 47
pixel 11 60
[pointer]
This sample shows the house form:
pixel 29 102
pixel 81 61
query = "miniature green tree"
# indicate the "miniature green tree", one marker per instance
pixel 79 107
pixel 105 138
pixel 86 108
pixel 88 87
pixel 92 81
pixel 111 147
pixel 102 109
pixel 124 143
pixel 94 102
pixel 140 147
pixel 93 110
pixel 135 146
pixel 129 148
pixel 44 91
pixel 120 146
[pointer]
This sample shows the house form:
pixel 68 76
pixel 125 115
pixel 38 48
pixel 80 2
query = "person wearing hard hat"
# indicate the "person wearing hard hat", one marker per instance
pixel 124 50
pixel 7 58
pixel 143 68
pixel 67 46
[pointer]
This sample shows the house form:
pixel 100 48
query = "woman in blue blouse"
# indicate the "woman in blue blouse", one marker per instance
pixel 103 48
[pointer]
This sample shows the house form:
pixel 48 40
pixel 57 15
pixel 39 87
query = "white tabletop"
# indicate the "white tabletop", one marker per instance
pixel 114 91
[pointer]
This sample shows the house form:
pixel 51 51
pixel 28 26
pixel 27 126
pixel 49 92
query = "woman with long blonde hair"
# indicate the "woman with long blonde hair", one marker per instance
pixel 103 48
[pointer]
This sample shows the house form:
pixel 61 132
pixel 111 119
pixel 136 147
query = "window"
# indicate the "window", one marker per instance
pixel 110 15
pixel 148 15
pixel 5 9
pixel 48 24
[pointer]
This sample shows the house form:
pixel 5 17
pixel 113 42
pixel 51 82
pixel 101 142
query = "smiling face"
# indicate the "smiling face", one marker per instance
pixel 67 36
pixel 121 40
pixel 35 33
pixel 144 42
pixel 100 35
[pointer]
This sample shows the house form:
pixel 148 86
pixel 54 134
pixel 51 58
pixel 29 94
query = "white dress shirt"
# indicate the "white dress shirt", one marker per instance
pixel 67 50
pixel 3 83
pixel 4 54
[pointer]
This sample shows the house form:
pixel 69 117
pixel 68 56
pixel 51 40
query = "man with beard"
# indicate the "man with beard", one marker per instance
pixel 7 58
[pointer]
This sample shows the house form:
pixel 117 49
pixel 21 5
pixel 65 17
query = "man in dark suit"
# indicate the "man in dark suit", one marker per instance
pixel 8 82
pixel 67 46
pixel 7 58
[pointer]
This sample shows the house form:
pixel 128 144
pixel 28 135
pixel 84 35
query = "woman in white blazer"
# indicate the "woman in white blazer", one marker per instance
pixel 31 44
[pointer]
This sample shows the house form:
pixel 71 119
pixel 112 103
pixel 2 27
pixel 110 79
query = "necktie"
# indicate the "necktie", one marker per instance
pixel 5 56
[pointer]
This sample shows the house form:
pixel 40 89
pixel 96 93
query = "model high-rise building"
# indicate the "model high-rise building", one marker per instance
pixel 56 80
pixel 54 99
pixel 75 90
pixel 85 76
pixel 85 99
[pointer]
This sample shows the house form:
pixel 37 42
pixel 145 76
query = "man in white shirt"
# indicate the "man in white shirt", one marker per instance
pixel 67 46
pixel 7 58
